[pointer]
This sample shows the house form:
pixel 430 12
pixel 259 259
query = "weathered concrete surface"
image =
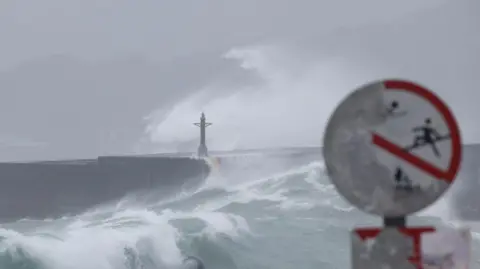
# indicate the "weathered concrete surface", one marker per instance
pixel 41 190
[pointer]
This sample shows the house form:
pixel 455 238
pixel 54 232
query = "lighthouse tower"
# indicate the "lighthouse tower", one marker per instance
pixel 202 148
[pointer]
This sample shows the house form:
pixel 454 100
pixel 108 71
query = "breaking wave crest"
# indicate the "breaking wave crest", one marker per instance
pixel 228 223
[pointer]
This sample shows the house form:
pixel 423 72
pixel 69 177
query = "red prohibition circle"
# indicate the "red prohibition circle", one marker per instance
pixel 440 106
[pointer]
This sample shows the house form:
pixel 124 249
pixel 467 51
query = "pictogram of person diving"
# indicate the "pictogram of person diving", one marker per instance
pixel 393 110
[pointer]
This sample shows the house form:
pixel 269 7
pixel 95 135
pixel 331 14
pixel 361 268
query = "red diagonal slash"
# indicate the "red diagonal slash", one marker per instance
pixel 410 158
pixel 421 164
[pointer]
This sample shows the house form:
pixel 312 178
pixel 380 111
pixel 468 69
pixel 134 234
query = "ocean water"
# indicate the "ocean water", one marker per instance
pixel 287 218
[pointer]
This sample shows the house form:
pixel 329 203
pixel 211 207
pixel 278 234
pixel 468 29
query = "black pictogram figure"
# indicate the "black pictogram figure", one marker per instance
pixel 402 181
pixel 392 110
pixel 428 136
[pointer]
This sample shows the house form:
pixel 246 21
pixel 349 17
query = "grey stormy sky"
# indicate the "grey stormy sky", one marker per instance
pixel 78 77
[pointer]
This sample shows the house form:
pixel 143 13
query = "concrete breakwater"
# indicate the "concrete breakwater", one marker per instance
pixel 39 190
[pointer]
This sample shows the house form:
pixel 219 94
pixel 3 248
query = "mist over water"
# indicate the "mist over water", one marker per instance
pixel 257 212
pixel 288 105
pixel 245 216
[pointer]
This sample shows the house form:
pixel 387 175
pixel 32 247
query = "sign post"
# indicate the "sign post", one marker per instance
pixel 392 148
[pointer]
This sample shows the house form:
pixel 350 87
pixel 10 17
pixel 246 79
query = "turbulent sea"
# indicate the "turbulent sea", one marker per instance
pixel 290 217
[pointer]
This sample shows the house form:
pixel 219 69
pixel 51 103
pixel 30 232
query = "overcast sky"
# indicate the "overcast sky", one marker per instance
pixel 80 78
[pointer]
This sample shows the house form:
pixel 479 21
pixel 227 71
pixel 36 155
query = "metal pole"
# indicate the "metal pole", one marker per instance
pixel 395 222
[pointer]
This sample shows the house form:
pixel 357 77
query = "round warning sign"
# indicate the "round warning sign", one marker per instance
pixel 392 148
